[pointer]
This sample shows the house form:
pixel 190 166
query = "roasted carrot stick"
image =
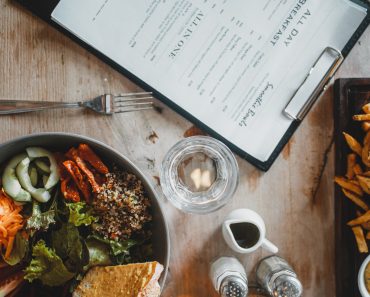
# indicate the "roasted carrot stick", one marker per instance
pixel 73 154
pixel 78 178
pixel 87 154
pixel 69 190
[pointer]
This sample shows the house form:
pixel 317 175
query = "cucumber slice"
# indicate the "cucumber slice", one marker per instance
pixel 42 166
pixel 41 194
pixel 11 184
pixel 38 152
pixel 32 171
pixel 45 179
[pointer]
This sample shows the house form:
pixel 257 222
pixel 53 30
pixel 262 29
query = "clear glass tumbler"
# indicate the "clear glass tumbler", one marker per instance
pixel 199 174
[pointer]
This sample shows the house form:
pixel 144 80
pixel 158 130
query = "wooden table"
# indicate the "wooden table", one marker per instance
pixel 295 197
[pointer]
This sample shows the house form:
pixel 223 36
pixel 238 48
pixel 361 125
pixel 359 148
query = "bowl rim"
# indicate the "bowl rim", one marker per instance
pixel 361 280
pixel 143 176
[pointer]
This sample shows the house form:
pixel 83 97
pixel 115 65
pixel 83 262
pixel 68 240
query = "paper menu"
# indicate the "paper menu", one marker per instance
pixel 232 64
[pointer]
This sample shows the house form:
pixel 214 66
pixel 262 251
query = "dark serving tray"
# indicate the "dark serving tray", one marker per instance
pixel 350 95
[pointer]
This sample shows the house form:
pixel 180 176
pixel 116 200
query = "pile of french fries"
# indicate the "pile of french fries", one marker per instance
pixel 356 183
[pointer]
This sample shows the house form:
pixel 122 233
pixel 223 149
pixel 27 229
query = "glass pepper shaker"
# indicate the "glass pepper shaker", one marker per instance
pixel 229 278
pixel 278 278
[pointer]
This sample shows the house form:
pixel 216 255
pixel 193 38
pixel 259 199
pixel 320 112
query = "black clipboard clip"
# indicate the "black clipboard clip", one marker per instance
pixel 314 84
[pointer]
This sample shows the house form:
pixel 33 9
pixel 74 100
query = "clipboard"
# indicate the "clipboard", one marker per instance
pixel 309 91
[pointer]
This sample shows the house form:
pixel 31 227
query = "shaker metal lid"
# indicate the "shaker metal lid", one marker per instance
pixel 224 267
pixel 287 285
pixel 234 286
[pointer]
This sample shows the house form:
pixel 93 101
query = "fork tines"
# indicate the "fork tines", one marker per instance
pixel 132 102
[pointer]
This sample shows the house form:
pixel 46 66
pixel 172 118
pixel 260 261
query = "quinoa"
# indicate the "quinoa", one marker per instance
pixel 122 206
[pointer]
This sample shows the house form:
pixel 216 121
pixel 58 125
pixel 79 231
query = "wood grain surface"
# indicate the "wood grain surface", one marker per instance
pixel 295 197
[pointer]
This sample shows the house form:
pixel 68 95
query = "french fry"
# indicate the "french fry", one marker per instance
pixel 355 199
pixel 365 126
pixel 351 162
pixel 364 183
pixel 365 155
pixel 361 117
pixel 366 173
pixel 354 182
pixel 366 108
pixel 366 225
pixel 360 239
pixel 367 138
pixel 360 220
pixel 358 170
pixel 353 144
pixel 348 185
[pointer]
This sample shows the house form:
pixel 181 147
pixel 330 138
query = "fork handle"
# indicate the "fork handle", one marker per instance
pixel 21 106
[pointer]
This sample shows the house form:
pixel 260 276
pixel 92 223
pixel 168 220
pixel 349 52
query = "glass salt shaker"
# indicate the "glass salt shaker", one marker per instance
pixel 229 278
pixel 278 278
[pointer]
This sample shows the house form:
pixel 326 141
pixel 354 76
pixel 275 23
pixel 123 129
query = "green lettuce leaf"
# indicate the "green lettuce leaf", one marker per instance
pixel 117 247
pixel 80 214
pixel 47 266
pixel 40 220
pixel 99 253
pixel 68 246
pixel 20 249
pixel 123 258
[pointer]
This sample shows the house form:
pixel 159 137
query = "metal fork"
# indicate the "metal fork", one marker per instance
pixel 107 104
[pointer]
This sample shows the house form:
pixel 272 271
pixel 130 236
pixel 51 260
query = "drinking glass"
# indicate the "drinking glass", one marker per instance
pixel 199 174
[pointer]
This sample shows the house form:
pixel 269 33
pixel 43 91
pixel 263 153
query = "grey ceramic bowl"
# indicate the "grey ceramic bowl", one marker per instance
pixel 63 141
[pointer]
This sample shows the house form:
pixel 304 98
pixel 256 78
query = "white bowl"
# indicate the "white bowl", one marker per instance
pixel 361 278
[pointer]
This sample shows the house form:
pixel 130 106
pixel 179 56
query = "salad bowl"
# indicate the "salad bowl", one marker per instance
pixel 55 141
